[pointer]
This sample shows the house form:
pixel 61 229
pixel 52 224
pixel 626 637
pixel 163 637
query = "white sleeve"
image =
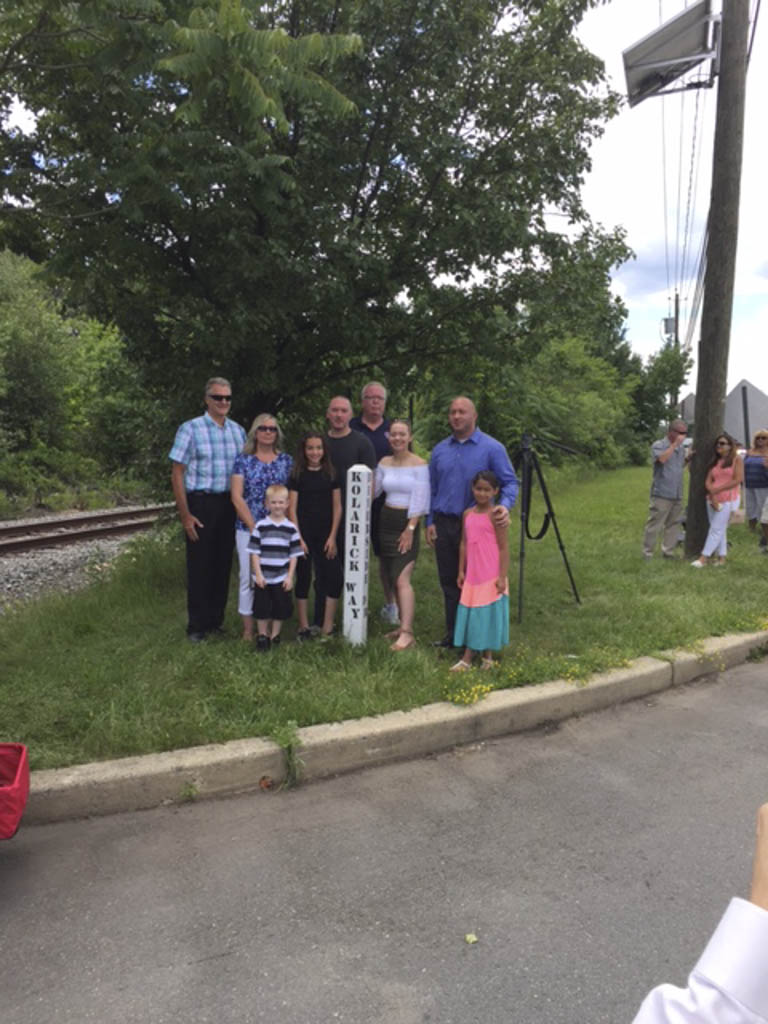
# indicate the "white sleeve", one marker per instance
pixel 729 984
pixel 420 494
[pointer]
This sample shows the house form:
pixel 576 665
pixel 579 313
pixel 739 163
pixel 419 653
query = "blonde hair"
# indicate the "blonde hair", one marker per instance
pixel 276 490
pixel 758 433
pixel 250 439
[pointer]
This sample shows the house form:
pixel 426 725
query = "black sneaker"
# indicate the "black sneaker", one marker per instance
pixel 303 636
pixel 275 641
pixel 262 644
pixel 446 642
pixel 196 637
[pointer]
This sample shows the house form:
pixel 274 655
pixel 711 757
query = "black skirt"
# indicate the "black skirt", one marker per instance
pixel 392 523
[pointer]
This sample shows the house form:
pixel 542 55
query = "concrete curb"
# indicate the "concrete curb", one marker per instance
pixel 138 783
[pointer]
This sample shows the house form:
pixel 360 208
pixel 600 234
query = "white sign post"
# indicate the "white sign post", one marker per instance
pixel 356 530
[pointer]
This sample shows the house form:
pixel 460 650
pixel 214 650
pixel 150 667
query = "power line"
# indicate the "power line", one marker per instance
pixel 678 268
pixel 664 186
pixel 755 16
pixel 692 179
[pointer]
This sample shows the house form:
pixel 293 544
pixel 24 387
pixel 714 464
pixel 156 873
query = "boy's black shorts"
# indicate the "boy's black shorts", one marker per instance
pixel 272 602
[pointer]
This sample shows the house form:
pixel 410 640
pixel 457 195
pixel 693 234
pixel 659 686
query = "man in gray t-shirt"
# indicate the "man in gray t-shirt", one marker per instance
pixel 666 508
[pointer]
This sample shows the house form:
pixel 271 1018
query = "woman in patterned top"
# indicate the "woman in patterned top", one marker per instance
pixel 260 464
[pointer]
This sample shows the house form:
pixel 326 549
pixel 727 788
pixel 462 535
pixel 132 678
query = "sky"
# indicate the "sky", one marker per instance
pixel 642 165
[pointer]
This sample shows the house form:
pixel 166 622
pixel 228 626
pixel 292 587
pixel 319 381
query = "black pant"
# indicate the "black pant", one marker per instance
pixel 328 571
pixel 209 560
pixel 447 555
pixel 320 592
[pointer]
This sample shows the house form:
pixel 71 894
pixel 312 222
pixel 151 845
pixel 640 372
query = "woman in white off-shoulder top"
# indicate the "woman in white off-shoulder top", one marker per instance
pixel 403 478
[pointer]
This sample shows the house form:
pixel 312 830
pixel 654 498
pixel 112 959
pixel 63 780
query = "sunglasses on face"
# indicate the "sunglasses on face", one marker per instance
pixel 267 430
pixel 723 444
pixel 220 398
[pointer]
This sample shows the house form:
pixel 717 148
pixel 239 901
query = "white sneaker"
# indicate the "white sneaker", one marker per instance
pixel 390 614
pixel 698 565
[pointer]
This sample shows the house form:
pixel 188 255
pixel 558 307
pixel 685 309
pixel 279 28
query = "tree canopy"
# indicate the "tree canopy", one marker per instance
pixel 71 409
pixel 299 193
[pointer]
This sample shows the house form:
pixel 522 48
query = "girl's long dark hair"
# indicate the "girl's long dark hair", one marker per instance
pixel 716 457
pixel 300 462
pixel 489 477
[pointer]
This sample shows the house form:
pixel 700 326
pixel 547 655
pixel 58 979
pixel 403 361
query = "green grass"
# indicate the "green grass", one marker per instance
pixel 106 492
pixel 107 672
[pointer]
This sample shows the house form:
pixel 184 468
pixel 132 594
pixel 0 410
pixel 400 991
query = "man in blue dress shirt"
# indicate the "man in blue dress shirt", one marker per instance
pixel 454 463
pixel 203 454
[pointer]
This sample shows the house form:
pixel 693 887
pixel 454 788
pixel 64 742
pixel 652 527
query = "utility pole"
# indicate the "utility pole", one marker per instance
pixel 721 261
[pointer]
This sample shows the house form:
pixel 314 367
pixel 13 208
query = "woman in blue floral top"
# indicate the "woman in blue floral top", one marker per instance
pixel 260 464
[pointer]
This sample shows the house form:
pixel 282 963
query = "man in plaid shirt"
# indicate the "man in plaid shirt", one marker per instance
pixel 203 454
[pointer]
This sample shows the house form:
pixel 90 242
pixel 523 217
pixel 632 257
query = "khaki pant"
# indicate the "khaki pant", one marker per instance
pixel 663 514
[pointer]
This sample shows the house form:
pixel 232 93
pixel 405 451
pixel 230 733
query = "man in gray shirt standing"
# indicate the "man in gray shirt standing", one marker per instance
pixel 666 508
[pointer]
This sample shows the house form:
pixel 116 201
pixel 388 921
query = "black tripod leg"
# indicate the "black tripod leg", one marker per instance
pixel 551 513
pixel 525 504
pixel 520 566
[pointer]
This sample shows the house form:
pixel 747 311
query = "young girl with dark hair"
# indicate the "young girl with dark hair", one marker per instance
pixel 315 508
pixel 482 620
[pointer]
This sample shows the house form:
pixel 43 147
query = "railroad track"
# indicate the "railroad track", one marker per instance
pixel 62 530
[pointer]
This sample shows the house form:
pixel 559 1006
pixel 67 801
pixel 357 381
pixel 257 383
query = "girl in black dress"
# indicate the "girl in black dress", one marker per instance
pixel 315 508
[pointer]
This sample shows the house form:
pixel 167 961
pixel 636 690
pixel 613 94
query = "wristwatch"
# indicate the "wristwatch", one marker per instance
pixel 411 528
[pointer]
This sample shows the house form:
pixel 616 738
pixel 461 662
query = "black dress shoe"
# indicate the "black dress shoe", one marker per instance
pixel 196 638
pixel 445 642
pixel 262 644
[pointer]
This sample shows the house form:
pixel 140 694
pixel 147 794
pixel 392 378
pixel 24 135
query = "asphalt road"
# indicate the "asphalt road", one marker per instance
pixel 591 862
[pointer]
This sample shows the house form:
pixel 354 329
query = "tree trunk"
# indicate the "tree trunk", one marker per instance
pixel 721 261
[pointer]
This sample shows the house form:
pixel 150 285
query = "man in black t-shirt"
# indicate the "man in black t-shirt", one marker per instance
pixel 346 448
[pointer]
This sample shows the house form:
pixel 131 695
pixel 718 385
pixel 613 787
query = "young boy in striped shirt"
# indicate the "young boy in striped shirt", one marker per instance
pixel 275 545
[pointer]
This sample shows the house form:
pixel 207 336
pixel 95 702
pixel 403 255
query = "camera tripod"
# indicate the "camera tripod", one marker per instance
pixel 526 463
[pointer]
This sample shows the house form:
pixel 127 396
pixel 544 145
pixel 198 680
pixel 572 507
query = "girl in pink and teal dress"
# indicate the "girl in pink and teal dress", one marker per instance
pixel 482 621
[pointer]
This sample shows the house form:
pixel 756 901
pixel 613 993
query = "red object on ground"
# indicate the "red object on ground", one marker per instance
pixel 14 786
